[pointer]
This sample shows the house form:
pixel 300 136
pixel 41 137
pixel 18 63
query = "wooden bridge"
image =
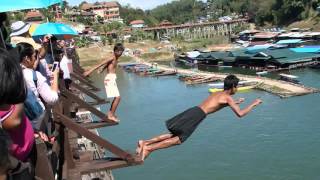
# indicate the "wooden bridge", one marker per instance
pixel 66 160
pixel 199 30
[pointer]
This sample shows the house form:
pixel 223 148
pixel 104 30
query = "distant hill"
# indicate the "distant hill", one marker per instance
pixel 177 12
pixel 261 12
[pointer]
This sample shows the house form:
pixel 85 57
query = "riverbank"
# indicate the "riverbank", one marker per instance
pixel 283 89
pixel 149 51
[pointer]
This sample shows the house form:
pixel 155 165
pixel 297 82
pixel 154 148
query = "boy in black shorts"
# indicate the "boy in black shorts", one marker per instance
pixel 182 125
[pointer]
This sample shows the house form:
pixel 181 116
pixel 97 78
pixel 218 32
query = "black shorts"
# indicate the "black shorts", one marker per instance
pixel 183 124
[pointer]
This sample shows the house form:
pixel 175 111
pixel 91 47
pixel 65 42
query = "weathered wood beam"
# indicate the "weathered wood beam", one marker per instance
pixel 95 138
pixel 98 165
pixel 84 90
pixel 73 98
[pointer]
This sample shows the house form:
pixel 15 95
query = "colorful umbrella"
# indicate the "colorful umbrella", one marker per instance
pixel 54 29
pixel 60 31
pixel 32 28
pixel 14 5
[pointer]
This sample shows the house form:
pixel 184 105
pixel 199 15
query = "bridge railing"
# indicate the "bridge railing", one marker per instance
pixel 63 159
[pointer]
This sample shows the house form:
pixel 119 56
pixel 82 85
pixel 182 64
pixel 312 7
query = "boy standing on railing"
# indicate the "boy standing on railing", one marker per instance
pixel 110 79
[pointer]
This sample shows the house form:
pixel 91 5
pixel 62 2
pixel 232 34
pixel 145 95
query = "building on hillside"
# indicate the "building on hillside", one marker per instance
pixel 72 14
pixel 88 15
pixel 109 11
pixel 57 11
pixel 34 16
pixel 137 24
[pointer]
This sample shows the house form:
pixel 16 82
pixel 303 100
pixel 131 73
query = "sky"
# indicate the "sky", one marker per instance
pixel 143 4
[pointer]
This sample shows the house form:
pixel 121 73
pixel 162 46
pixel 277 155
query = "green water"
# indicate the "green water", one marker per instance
pixel 279 140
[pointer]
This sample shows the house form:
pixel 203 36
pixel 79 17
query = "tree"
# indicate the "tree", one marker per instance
pixel 49 14
pixel 82 3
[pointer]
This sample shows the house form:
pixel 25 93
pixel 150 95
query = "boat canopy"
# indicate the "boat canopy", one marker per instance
pixel 290 41
pixel 288 76
pixel 306 50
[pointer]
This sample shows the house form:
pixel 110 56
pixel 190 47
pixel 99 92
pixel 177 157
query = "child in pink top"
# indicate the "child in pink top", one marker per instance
pixel 13 93
pixel 22 137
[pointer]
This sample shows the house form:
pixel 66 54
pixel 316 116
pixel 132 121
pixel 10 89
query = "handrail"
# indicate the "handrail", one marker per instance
pixel 95 138
pixel 63 161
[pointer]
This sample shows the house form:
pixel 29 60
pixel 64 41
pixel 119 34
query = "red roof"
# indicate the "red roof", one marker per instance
pixel 112 4
pixel 32 14
pixel 86 6
pixel 137 22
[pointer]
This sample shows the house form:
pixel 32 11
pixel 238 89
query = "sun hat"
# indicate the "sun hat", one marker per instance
pixel 18 28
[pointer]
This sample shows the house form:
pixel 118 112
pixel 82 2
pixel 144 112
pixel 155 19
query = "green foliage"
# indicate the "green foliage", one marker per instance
pixel 83 2
pixel 49 14
pixel 129 14
pixel 83 20
pixel 17 16
pixel 104 40
pixel 277 12
pixel 178 12
pixel 82 41
pixel 110 40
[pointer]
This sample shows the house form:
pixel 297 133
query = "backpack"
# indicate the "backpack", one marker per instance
pixel 32 107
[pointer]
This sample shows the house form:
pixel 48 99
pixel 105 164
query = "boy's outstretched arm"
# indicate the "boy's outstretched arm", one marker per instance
pixel 103 63
pixel 242 112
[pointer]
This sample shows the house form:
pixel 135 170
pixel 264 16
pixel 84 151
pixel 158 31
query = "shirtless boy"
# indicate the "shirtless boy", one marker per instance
pixel 182 125
pixel 110 79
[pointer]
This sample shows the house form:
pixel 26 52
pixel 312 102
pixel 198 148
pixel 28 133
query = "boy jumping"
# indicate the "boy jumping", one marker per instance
pixel 182 125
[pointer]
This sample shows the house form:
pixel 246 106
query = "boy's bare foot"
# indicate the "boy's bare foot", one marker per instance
pixel 111 117
pixel 145 152
pixel 139 148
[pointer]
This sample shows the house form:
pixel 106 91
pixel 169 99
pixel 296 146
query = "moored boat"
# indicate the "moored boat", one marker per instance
pixel 239 89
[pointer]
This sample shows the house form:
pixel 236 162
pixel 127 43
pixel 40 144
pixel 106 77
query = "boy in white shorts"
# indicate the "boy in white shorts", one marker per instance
pixel 110 79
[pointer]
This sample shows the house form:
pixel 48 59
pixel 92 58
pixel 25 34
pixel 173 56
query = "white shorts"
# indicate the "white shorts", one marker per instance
pixel 111 86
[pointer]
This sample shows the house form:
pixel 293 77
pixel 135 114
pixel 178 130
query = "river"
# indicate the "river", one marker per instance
pixel 278 140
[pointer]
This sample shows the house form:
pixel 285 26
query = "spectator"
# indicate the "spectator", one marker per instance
pixel 12 95
pixel 35 80
pixel 4 158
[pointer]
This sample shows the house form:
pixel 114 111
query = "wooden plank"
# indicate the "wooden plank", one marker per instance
pixel 84 82
pixel 98 102
pixel 99 165
pixel 95 125
pixel 77 67
pixel 67 151
pixel 94 138
pixel 43 169
pixel 86 156
pixel 77 76
pixel 83 90
pixel 68 95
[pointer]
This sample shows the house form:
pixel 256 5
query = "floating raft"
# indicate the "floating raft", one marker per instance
pixel 201 80
pixel 146 70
